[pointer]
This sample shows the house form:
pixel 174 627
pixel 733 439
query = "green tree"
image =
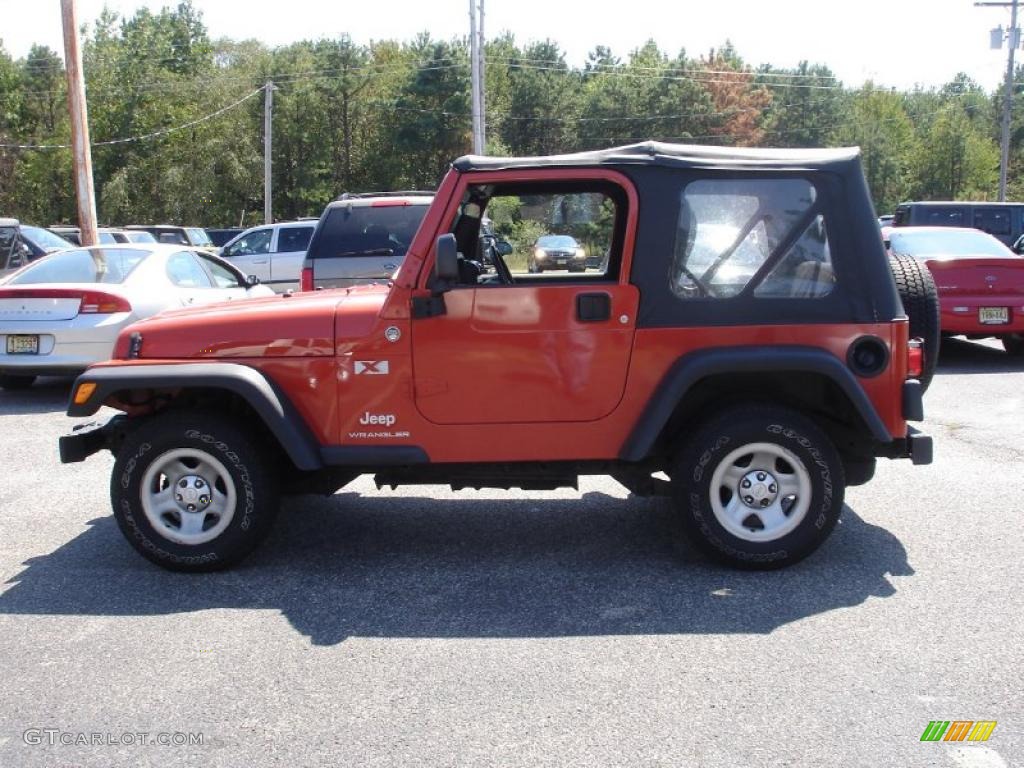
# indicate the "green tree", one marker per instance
pixel 877 122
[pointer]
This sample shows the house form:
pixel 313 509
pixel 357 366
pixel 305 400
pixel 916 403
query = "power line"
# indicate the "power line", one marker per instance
pixel 144 137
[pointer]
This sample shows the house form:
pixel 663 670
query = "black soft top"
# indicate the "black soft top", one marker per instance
pixel 677 156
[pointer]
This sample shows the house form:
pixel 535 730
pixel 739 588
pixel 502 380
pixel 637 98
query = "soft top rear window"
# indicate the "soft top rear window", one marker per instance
pixel 359 230
pixel 101 265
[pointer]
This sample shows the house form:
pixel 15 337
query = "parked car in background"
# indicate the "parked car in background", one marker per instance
pixel 41 241
pixel 107 235
pixel 63 313
pixel 980 281
pixel 220 237
pixel 175 235
pixel 557 252
pixel 13 253
pixel 1004 221
pixel 362 238
pixel 274 253
pixel 886 219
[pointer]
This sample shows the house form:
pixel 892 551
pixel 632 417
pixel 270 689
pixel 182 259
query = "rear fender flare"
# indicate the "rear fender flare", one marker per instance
pixel 691 368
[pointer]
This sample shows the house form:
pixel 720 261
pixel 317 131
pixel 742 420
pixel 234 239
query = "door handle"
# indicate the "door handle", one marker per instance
pixel 264 261
pixel 390 267
pixel 593 307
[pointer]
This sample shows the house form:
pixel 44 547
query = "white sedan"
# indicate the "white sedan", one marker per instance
pixel 60 314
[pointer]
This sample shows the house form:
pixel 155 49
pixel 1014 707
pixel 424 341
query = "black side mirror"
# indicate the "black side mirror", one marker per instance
pixel 503 247
pixel 251 280
pixel 446 262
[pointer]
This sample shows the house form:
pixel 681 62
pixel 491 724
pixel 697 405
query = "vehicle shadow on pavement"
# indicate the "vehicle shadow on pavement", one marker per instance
pixel 962 356
pixel 45 396
pixel 413 567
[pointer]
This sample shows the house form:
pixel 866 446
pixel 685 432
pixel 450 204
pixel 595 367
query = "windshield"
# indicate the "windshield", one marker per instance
pixel 198 236
pixel 138 236
pixel 946 243
pixel 557 241
pixel 45 239
pixel 354 230
pixel 99 265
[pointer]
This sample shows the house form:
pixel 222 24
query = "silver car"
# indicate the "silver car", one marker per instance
pixel 64 312
pixel 274 253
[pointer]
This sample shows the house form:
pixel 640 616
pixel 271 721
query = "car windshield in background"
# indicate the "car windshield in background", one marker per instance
pixel 557 241
pixel 101 265
pixel 138 236
pixel 45 239
pixel 370 229
pixel 198 236
pixel 948 243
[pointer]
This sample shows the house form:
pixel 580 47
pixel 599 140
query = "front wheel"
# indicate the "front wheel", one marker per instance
pixel 192 491
pixel 758 487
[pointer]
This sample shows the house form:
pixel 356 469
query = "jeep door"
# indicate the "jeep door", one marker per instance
pixel 541 348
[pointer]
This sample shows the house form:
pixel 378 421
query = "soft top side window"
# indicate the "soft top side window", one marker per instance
pixel 742 235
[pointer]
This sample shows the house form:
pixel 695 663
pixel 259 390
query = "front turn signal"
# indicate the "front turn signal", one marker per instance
pixel 84 392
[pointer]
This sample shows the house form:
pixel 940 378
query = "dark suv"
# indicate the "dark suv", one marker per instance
pixel 742 350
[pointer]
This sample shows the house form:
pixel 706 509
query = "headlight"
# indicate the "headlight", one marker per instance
pixel 539 253
pixel 580 253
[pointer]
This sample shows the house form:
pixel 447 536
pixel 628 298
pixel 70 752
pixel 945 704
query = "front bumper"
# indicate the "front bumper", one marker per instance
pixel 91 437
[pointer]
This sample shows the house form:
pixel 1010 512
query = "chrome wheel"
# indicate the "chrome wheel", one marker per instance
pixel 760 492
pixel 188 496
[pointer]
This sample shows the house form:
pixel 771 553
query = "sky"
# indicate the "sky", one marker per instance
pixel 896 43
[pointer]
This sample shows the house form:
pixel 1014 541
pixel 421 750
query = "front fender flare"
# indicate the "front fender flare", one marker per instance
pixel 691 368
pixel 272 406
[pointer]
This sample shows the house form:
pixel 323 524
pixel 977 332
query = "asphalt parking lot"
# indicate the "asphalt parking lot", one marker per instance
pixel 429 628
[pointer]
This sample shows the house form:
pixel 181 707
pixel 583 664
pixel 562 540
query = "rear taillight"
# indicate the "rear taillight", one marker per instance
pixel 915 358
pixel 306 279
pixel 98 303
pixel 90 302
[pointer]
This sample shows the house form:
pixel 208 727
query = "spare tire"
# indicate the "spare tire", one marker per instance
pixel 920 299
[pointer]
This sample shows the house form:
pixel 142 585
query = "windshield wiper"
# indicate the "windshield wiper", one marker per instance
pixel 368 252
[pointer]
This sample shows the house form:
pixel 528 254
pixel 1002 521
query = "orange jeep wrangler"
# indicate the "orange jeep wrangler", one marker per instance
pixel 716 325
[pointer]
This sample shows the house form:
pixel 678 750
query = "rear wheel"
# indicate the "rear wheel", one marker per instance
pixel 758 487
pixel 920 298
pixel 192 491
pixel 1014 344
pixel 10 381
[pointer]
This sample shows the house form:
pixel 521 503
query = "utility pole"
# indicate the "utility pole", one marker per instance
pixel 481 54
pixel 474 64
pixel 268 142
pixel 1013 40
pixel 80 147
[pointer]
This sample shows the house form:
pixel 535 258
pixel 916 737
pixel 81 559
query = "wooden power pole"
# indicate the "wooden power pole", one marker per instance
pixel 80 147
pixel 268 146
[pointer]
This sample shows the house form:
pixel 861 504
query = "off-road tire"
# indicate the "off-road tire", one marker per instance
pixel 237 450
pixel 710 447
pixel 1014 344
pixel 920 298
pixel 13 382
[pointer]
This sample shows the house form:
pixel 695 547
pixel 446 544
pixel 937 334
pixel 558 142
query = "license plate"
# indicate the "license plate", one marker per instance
pixel 993 315
pixel 22 345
